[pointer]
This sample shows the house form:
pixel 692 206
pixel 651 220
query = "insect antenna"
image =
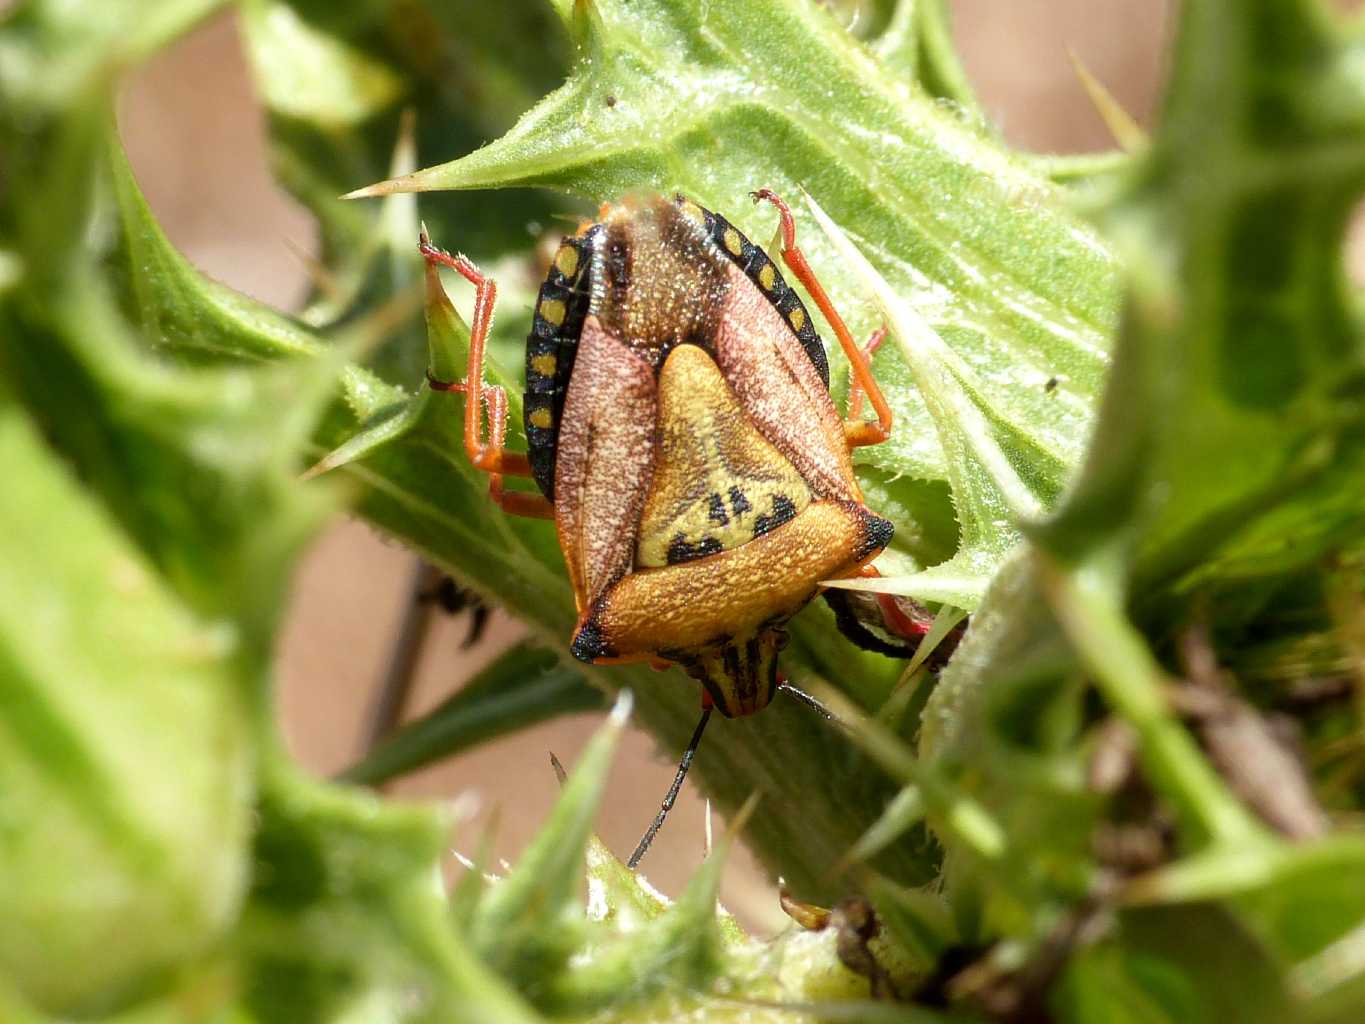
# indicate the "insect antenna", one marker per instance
pixel 672 794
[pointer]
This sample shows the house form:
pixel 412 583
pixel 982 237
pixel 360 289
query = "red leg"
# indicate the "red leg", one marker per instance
pixel 893 613
pixel 858 432
pixel 491 456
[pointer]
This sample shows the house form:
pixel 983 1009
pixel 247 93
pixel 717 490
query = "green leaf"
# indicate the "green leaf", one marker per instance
pixel 105 680
pixel 54 54
pixel 185 461
pixel 989 494
pixel 747 94
pixel 529 923
pixel 918 41
pixel 1237 382
pixel 1231 422
pixel 314 75
pixel 143 586
pixel 140 612
pixel 677 947
pixel 1146 976
pixel 183 314
pixel 524 686
pixel 405 82
pixel 346 918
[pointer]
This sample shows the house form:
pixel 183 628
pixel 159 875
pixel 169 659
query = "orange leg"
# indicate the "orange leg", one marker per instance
pixel 855 391
pixel 858 432
pixel 489 455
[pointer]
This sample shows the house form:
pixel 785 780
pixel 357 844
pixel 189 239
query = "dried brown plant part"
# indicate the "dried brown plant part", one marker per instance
pixel 1139 834
pixel 1020 996
pixel 1347 605
pixel 1113 758
pixel 1261 767
pixel 858 933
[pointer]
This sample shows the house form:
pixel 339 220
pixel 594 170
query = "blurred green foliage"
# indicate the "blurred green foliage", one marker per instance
pixel 1131 435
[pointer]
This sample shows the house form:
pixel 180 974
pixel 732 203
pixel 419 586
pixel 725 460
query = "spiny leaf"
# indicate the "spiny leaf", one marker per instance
pixel 1124 129
pixel 157 443
pixel 407 81
pixel 1237 380
pixel 618 896
pixel 766 94
pixel 197 465
pixel 105 680
pixel 679 949
pixel 988 493
pixel 188 523
pixel 1237 373
pixel 182 313
pixel 346 915
pixel 528 924
pixel 917 41
pixel 919 920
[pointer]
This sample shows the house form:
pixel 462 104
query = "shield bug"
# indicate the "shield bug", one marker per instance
pixel 682 436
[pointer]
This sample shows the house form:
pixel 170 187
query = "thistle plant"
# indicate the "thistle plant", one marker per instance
pixel 1130 401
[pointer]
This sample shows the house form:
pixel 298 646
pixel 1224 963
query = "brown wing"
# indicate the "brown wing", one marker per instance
pixel 780 389
pixel 604 461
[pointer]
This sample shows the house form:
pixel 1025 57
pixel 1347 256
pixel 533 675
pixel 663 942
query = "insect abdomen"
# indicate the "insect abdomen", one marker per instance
pixel 769 280
pixel 551 348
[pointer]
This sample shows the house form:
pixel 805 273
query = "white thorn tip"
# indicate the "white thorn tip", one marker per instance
pixel 620 712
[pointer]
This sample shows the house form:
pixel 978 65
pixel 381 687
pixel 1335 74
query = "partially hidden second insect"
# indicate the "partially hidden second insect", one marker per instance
pixel 683 439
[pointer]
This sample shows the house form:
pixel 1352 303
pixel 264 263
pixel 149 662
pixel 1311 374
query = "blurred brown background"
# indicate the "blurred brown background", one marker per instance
pixel 194 133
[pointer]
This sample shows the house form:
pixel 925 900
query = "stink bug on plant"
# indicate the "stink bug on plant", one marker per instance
pixel 683 439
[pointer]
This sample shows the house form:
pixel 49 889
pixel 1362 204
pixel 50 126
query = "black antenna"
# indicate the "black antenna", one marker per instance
pixel 672 795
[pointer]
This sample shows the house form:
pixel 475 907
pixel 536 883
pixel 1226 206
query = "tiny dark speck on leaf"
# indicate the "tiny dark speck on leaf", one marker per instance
pixel 611 101
pixel 1051 385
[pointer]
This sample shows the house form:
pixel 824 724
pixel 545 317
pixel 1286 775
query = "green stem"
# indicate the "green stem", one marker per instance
pixel 1118 660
